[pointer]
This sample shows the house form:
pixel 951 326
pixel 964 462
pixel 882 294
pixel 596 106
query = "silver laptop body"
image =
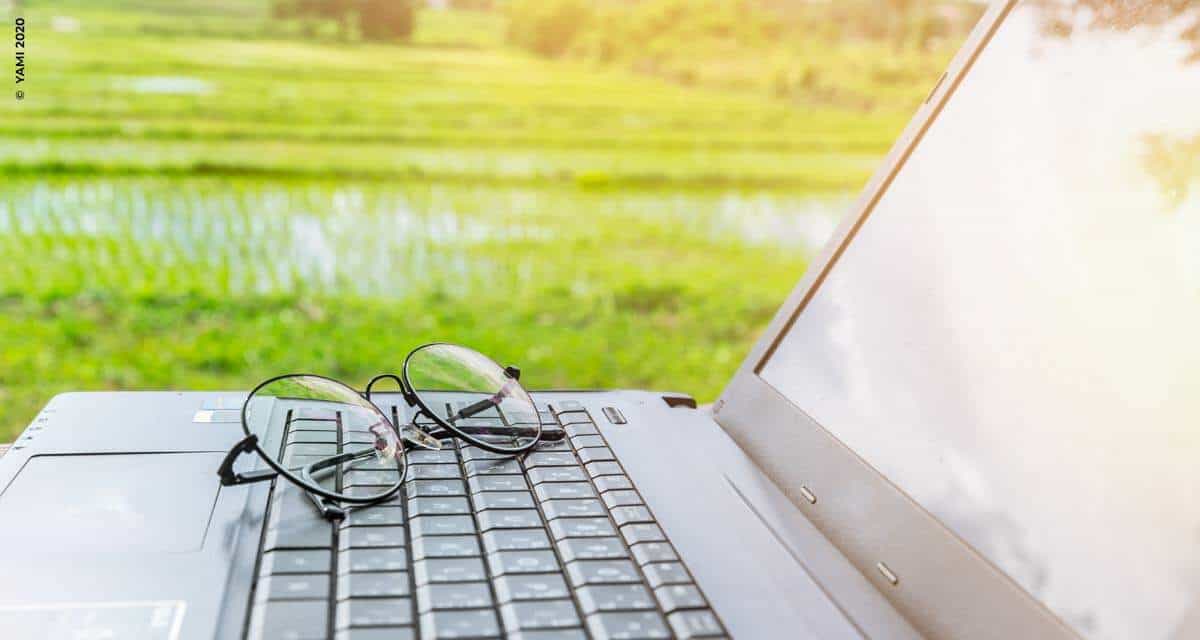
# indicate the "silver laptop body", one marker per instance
pixel 958 363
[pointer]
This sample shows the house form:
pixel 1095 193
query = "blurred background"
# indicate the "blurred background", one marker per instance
pixel 204 193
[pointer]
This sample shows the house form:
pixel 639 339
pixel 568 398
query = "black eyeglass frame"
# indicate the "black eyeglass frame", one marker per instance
pixel 329 502
pixel 414 400
pixel 251 444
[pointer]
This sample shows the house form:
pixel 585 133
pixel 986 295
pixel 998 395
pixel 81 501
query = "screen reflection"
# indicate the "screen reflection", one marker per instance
pixel 1013 336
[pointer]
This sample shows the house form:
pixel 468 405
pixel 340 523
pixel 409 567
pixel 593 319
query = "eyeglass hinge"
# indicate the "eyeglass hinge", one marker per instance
pixel 229 477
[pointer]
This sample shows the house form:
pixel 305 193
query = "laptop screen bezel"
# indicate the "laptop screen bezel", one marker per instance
pixel 944 587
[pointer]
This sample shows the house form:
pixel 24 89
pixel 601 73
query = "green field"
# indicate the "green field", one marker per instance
pixel 195 198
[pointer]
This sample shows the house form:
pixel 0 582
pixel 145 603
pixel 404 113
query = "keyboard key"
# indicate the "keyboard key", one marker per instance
pixel 679 596
pixel 296 462
pixel 313 449
pixel 625 498
pixel 373 585
pixel 514 416
pixel 372 464
pixel 597 469
pixel 312 436
pixel 438 506
pixel 487 423
pixel 361 477
pixel 509 519
pixel 612 483
pixel 660 573
pixel 515 540
pixel 545 586
pixel 434 471
pixel 490 412
pixel 695 624
pixel 559 444
pixel 317 534
pixel 293 587
pixel 423 488
pixel 373 492
pixel 631 515
pixel 628 625
pixel 581 429
pixel 371 537
pixel 576 416
pixel 437 570
pixel 442 525
pixel 584 572
pixel 497 483
pixel 635 533
pixel 376 633
pixel 293 522
pixel 510 562
pixel 557 474
pixel 373 612
pixel 475 453
pixel 596 454
pixel 357 438
pixel 564 490
pixel 549 634
pixel 374 515
pixel 592 549
pixel 583 442
pixel 504 500
pixel 468 595
pixel 363 560
pixel 429 456
pixel 290 620
pixel 614 597
pixel 297 561
pixel 478 623
pixel 572 508
pixel 550 459
pixel 653 552
pixel 549 614
pixel 445 547
pixel 581 528
pixel 312 414
pixel 492 467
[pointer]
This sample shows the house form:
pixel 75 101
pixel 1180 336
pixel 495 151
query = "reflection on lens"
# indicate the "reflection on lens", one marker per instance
pixel 473 397
pixel 326 436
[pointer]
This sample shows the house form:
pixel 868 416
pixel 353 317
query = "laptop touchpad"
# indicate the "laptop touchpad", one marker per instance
pixel 110 503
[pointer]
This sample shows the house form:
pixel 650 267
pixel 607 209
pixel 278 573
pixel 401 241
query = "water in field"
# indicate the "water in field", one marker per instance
pixel 236 237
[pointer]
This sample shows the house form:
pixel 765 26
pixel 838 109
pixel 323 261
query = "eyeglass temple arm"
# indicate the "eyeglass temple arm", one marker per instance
pixel 513 373
pixel 313 471
pixel 229 477
pixel 519 431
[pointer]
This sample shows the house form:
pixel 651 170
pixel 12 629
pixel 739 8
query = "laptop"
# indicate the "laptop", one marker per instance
pixel 975 417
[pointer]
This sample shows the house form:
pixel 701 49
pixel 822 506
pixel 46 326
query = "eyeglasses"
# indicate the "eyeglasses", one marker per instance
pixel 345 452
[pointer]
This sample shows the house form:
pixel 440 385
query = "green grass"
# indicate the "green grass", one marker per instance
pixel 325 206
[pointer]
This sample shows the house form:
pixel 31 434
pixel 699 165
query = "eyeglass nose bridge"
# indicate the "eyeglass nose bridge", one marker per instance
pixel 410 432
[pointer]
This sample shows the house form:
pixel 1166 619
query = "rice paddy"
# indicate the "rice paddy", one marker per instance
pixel 190 200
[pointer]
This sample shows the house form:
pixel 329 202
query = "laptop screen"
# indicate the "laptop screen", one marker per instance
pixel 1012 337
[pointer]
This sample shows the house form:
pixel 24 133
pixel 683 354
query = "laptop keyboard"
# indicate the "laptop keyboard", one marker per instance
pixel 556 544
